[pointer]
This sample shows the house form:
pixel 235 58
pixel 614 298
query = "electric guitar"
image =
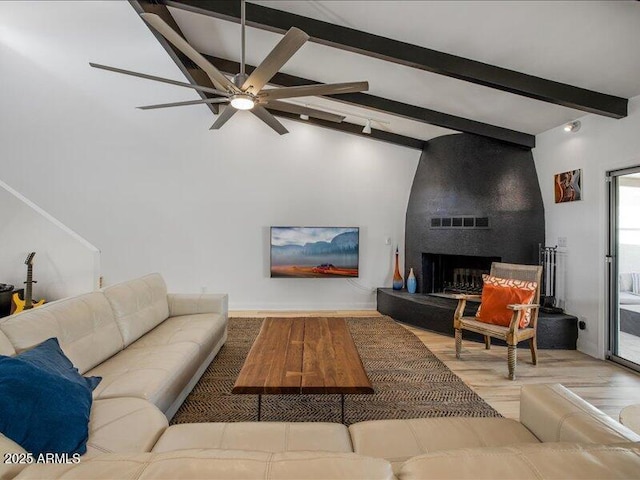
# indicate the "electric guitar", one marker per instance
pixel 18 304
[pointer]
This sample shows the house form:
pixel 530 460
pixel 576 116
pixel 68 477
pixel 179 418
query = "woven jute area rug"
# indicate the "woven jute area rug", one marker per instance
pixel 409 382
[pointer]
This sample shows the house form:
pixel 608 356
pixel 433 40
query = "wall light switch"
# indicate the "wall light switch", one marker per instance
pixel 387 240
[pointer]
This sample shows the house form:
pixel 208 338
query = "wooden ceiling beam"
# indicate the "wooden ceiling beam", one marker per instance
pixel 384 105
pixel 192 72
pixel 414 56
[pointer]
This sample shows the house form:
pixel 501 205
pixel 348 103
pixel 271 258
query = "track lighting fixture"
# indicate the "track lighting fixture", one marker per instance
pixel 367 127
pixel 572 126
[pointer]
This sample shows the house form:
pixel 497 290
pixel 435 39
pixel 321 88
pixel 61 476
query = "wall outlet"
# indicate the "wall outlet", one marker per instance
pixel 582 323
pixel 562 242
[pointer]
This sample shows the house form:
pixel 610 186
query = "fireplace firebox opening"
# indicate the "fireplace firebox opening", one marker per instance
pixel 444 273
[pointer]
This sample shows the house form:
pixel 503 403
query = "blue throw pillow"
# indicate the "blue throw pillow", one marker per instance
pixel 49 356
pixel 41 411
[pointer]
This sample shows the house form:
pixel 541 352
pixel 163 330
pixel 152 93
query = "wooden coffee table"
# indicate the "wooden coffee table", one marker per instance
pixel 303 356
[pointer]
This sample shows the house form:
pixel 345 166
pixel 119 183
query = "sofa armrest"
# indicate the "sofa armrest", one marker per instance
pixel 554 414
pixel 190 304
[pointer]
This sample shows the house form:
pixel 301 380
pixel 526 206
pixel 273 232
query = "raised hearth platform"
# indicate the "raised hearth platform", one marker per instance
pixel 435 313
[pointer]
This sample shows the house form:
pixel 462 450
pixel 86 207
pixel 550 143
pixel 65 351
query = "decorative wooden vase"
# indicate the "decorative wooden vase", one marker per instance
pixel 412 284
pixel 397 278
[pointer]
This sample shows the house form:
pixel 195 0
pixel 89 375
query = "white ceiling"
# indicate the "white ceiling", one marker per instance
pixel 587 44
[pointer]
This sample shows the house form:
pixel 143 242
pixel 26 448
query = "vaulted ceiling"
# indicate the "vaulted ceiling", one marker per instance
pixel 506 70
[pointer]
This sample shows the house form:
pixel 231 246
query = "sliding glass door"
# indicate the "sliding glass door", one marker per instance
pixel 624 266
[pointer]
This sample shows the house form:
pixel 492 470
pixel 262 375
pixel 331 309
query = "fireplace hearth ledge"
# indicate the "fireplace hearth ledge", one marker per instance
pixel 434 312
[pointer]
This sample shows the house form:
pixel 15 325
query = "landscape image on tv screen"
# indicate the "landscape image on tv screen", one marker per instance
pixel 314 252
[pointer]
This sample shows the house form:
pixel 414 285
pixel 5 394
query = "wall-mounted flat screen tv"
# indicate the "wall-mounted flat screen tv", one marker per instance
pixel 315 252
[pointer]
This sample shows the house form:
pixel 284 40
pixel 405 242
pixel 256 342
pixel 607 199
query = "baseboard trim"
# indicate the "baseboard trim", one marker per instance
pixel 287 307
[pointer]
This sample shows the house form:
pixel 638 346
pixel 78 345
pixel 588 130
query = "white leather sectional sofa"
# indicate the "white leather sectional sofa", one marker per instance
pixel 150 347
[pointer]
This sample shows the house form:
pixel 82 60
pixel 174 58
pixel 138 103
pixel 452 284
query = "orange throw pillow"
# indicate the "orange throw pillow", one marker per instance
pixel 497 293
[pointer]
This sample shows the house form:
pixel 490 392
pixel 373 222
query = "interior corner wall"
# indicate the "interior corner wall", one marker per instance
pixel 64 264
pixel 602 144
pixel 157 190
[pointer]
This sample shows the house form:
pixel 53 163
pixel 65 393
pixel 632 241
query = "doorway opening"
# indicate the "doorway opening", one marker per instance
pixel 624 267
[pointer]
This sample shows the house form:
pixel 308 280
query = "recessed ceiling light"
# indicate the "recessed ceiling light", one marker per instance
pixel 573 126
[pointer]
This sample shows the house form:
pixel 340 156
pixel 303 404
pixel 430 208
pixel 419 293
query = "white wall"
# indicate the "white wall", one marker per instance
pixel 158 191
pixel 64 265
pixel 602 144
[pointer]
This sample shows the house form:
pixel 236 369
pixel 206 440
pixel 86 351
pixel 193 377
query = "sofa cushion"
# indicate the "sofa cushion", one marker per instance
pixel 42 411
pixel 48 356
pixel 84 326
pixel 399 440
pixel 124 425
pixel 260 436
pixel 628 298
pixel 625 282
pixel 157 374
pixel 189 304
pixel 218 465
pixel 205 330
pixel 542 461
pixel 138 305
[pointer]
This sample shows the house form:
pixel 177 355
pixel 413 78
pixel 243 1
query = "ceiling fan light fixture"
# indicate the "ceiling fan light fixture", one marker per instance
pixel 572 126
pixel 244 92
pixel 242 101
pixel 367 127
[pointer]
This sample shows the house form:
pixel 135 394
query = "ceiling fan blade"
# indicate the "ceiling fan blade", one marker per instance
pixel 300 110
pixel 216 76
pixel 223 117
pixel 309 90
pixel 159 79
pixel 181 104
pixel 269 119
pixel 282 52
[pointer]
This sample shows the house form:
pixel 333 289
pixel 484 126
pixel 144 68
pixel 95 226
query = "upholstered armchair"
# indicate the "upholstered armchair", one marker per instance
pixel 514 332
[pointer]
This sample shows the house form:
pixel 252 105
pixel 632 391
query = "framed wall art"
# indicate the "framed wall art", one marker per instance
pixel 568 186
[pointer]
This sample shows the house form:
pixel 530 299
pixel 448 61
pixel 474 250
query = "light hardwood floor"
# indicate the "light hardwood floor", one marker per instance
pixel 603 384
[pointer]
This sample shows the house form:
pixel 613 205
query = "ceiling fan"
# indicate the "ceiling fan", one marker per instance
pixel 246 92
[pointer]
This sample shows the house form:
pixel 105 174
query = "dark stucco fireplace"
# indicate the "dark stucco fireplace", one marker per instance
pixel 472 198
pixel 473 201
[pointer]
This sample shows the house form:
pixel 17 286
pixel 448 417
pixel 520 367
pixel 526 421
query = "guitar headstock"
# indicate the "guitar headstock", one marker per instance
pixel 29 260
